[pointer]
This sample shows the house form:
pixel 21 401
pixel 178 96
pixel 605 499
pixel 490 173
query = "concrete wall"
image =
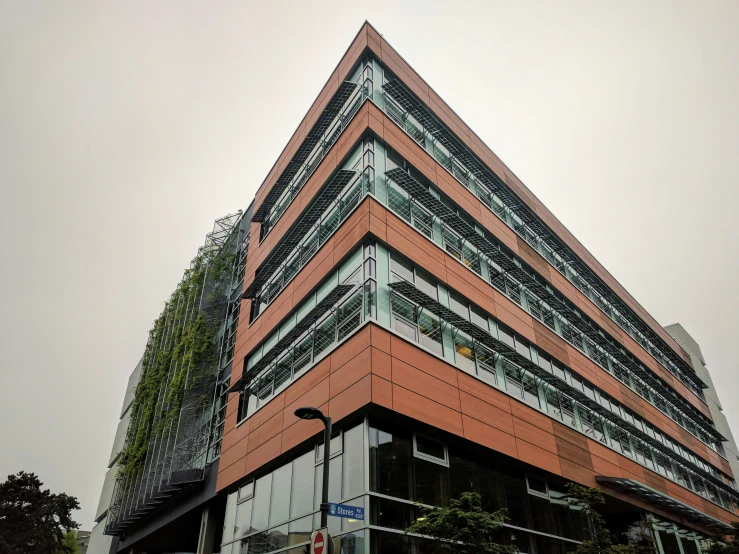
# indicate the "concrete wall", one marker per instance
pixel 100 543
pixel 679 333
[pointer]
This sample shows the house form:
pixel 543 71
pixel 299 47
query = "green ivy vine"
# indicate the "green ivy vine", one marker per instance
pixel 181 350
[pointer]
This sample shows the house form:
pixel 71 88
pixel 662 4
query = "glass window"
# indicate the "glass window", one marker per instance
pixel 390 468
pixel 530 389
pixel 513 379
pixel 516 501
pixel 426 285
pixel 301 494
pixel 336 444
pixel 459 306
pixel 398 201
pixel 243 518
pixel 404 316
pixel 353 458
pixel 558 370
pixel 506 337
pixel 300 530
pixel 260 509
pixel 429 448
pixel 283 371
pixel 249 403
pixel 400 269
pixel 451 243
pixel 568 522
pixel 492 489
pixel 568 413
pixel 462 476
pixel 228 520
pixel 246 490
pixel 541 514
pixel 432 483
pixel 422 220
pixel 463 348
pixel 553 405
pixel 523 349
pixel 669 542
pixel 334 478
pixel 389 513
pixel 486 364
pixel 429 332
pixel 537 486
pixel 479 317
pixel 325 335
pixel 279 506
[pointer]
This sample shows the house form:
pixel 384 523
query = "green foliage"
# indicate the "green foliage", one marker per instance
pixel 463 527
pixel 182 347
pixel 729 547
pixel 32 521
pixel 69 543
pixel 602 542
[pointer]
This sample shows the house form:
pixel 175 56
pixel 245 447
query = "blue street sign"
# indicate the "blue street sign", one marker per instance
pixel 342 510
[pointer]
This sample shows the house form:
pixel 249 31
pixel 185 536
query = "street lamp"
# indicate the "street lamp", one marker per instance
pixel 315 413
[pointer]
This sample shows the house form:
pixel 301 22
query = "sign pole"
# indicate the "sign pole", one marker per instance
pixel 326 462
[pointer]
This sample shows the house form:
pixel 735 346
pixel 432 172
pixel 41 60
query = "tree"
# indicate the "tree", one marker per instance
pixel 586 498
pixel 33 521
pixel 69 543
pixel 720 547
pixel 463 527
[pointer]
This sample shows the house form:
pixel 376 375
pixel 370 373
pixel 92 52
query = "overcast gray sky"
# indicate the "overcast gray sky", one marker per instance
pixel 126 128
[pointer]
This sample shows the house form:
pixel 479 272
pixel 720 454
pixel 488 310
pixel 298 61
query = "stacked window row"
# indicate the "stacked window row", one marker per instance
pixel 469 354
pixel 407 469
pixel 436 230
pixel 334 129
pixel 538 237
pixel 320 338
pixel 545 245
pixel 340 208
pixel 422 220
pixel 281 509
pixel 400 202
pixel 423 327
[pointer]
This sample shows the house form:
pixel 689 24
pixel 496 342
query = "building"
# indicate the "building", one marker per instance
pixel 684 339
pixel 99 542
pixel 394 273
pixel 83 541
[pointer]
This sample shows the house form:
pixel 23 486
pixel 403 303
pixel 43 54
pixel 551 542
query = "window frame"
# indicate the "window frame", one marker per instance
pixel 429 457
pixel 239 498
pixel 318 458
pixel 534 492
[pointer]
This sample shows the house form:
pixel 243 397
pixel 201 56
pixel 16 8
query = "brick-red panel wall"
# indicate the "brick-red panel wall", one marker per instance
pixel 378 367
pixel 369 38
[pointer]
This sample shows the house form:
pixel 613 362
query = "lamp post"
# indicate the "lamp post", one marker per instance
pixel 315 413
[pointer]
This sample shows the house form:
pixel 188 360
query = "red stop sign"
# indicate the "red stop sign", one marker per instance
pixel 318 543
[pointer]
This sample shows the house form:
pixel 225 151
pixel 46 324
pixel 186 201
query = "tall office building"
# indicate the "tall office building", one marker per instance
pixel 395 274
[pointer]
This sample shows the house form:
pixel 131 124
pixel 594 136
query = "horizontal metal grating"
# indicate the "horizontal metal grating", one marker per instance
pixel 346 89
pixel 453 221
pixel 657 498
pixel 310 318
pixel 299 229
pixel 491 251
pixel 423 115
pixel 409 103
pixel 413 294
pixel 433 204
